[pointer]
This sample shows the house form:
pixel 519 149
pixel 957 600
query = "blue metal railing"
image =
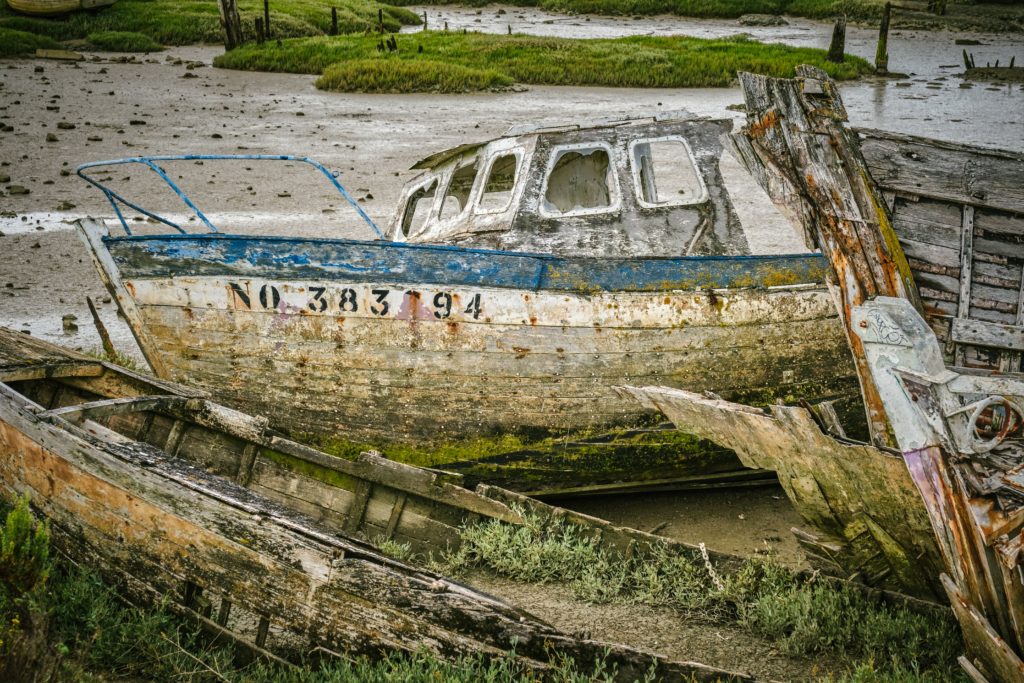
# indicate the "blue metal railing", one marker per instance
pixel 116 199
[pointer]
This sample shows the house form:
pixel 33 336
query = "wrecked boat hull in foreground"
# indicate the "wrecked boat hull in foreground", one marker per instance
pixel 169 495
pixel 905 278
pixel 375 342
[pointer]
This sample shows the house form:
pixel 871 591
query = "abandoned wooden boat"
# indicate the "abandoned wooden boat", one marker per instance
pixel 523 278
pixel 46 8
pixel 258 538
pixel 927 254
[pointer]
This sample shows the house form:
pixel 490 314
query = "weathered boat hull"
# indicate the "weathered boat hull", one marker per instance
pixel 287 580
pixel 862 506
pixel 381 342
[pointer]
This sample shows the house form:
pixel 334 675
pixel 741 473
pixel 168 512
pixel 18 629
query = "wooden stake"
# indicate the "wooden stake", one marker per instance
pixel 266 17
pixel 259 30
pixel 108 346
pixel 231 22
pixel 334 21
pixel 882 52
pixel 838 45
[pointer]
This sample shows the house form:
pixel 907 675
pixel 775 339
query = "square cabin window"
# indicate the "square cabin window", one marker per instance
pixel 501 181
pixel 456 197
pixel 581 180
pixel 665 173
pixel 417 208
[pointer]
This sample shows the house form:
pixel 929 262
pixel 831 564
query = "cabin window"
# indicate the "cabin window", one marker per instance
pixel 417 208
pixel 665 173
pixel 581 180
pixel 459 187
pixel 501 181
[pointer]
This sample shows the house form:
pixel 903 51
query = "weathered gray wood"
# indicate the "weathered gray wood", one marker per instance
pixel 218 536
pixel 245 464
pixel 958 173
pixel 966 264
pixel 51 370
pixel 92 233
pixel 175 436
pixel 396 515
pixel 982 333
pixel 115 406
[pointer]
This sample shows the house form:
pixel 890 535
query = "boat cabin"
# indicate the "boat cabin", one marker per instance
pixel 647 186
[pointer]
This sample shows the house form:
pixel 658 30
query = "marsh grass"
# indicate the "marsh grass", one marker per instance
pixel 123 41
pixel 16 43
pixel 802 615
pixel 638 62
pixel 392 76
pixel 121 359
pixel 183 22
pixel 815 9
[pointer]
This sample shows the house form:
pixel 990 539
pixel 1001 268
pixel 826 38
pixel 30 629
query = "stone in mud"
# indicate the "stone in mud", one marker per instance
pixel 65 125
pixel 4 178
pixel 68 321
pixel 65 206
pixel 18 189
pixel 762 20
pixel 50 137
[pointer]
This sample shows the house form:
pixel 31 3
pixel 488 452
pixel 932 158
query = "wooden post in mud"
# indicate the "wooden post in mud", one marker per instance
pixel 334 21
pixel 266 17
pixel 838 45
pixel 231 22
pixel 101 329
pixel 424 20
pixel 882 51
pixel 795 146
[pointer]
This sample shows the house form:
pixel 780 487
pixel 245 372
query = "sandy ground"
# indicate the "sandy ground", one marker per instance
pixel 158 105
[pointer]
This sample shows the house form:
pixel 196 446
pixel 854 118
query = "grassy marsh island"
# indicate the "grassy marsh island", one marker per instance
pixel 461 62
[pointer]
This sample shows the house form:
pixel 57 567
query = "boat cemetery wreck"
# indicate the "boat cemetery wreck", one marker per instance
pixel 924 243
pixel 264 541
pixel 520 280
pixel 544 283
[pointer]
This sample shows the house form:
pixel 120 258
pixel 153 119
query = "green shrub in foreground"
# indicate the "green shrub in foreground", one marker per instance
pixel 123 41
pixel 392 75
pixel 14 43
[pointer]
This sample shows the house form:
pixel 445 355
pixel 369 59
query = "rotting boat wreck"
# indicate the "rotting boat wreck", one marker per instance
pixel 924 241
pixel 520 280
pixel 263 541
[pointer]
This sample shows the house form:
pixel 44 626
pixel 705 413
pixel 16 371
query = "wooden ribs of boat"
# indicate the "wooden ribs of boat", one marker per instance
pixel 256 537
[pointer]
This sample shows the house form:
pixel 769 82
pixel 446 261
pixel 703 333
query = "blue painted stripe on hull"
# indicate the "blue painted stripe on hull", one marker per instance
pixel 390 262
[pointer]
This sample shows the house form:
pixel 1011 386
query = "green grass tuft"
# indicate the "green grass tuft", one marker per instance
pixel 637 62
pixel 16 43
pixel 123 41
pixel 803 616
pixel 385 75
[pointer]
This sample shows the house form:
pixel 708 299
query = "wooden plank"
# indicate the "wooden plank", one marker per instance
pixel 949 171
pixel 92 233
pixel 966 264
pixel 396 515
pixel 175 436
pixel 115 406
pixel 245 464
pixel 51 371
pixel 358 509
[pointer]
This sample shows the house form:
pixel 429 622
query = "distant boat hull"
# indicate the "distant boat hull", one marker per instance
pixel 43 8
pixel 383 343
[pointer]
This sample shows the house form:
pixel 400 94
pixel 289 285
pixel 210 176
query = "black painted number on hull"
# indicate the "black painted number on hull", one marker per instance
pixel 443 304
pixel 381 295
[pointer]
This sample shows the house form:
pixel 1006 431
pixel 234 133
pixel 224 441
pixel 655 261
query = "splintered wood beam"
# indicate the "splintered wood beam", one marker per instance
pixel 795 145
